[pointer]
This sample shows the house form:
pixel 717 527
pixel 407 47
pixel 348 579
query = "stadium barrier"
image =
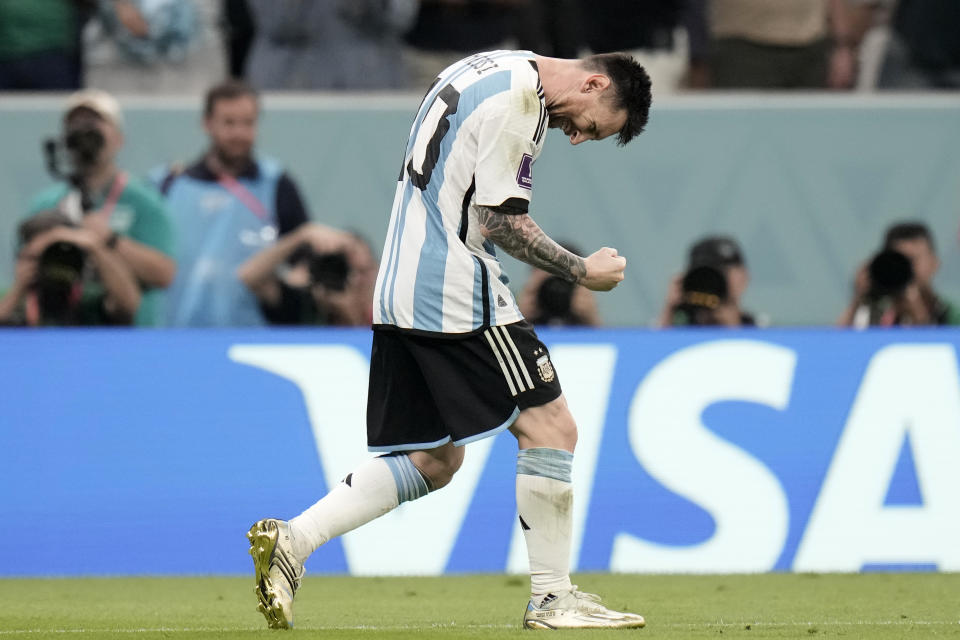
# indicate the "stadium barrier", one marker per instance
pixel 700 451
pixel 806 182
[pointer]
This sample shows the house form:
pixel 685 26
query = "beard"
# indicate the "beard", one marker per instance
pixel 231 159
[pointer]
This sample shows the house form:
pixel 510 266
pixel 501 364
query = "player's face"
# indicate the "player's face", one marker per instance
pixel 587 115
pixel 232 127
pixel 922 258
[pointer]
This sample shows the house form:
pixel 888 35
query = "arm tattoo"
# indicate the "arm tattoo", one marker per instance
pixel 523 239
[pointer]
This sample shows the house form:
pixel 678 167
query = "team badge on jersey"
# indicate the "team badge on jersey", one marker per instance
pixel 545 368
pixel 525 172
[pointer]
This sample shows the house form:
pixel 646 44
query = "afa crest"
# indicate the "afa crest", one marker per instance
pixel 545 368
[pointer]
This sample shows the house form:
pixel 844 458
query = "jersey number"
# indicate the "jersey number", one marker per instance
pixel 451 98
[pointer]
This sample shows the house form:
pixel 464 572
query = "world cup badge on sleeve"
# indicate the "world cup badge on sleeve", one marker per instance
pixel 545 368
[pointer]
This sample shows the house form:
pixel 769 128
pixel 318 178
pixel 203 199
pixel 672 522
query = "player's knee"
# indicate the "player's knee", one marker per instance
pixel 439 465
pixel 550 425
pixel 567 428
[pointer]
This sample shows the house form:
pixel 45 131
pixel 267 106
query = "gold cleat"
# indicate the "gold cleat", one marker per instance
pixel 576 610
pixel 278 572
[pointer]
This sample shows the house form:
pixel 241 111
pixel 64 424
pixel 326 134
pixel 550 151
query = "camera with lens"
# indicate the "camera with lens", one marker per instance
pixel 555 302
pixel 703 291
pixel 84 143
pixel 330 270
pixel 889 274
pixel 60 267
pixel 73 156
pixel 59 272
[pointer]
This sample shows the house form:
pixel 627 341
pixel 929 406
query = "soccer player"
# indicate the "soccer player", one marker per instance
pixel 453 359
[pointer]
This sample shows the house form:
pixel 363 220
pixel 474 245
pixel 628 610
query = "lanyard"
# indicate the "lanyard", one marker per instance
pixel 243 194
pixel 119 184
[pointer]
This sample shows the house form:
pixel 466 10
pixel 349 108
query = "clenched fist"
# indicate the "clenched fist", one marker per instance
pixel 604 270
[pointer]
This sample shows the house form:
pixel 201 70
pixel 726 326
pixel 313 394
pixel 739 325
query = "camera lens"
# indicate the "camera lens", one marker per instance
pixel 85 144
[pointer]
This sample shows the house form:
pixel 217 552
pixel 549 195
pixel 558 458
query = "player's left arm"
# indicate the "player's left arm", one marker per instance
pixel 517 234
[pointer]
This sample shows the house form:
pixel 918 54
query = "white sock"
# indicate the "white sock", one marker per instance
pixel 545 504
pixel 376 487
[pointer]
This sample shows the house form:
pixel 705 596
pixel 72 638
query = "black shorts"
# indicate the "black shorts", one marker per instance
pixel 426 391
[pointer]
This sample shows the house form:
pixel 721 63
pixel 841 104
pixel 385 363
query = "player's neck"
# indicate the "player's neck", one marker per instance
pixel 560 77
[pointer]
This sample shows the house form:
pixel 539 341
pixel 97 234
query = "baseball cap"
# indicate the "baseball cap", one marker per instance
pixel 704 286
pixel 100 102
pixel 716 251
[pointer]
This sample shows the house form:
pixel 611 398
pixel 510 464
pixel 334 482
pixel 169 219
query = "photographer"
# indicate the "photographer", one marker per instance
pixel 704 300
pixel 230 204
pixel 552 301
pixel 723 254
pixel 123 213
pixel 315 275
pixel 896 286
pixel 50 288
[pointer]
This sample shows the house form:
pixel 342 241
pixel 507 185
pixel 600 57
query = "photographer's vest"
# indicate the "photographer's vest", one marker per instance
pixel 220 224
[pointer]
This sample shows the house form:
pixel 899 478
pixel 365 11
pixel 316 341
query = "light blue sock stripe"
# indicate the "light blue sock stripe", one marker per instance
pixel 410 484
pixel 548 463
pixel 391 463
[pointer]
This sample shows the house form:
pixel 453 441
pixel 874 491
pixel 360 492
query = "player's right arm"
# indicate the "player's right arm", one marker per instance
pixel 517 234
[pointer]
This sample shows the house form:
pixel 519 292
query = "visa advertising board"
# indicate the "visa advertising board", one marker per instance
pixel 151 452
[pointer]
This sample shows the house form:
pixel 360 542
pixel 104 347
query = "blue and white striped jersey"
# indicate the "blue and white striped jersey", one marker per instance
pixel 473 142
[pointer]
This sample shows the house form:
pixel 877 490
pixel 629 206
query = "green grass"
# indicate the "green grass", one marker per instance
pixel 754 606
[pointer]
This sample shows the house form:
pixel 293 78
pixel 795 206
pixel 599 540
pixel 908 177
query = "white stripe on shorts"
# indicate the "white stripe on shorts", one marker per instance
pixel 503 366
pixel 516 352
pixel 510 360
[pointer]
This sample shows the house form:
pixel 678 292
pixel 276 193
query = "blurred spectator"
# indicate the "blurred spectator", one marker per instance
pixel 155 46
pixel 50 288
pixel 329 44
pixel 227 206
pixel 239 30
pixel 553 301
pixel 896 286
pixel 924 48
pixel 314 276
pixel 124 212
pixel 550 27
pixel 40 44
pixel 663 35
pixel 703 300
pixel 721 254
pixel 446 30
pixel 785 44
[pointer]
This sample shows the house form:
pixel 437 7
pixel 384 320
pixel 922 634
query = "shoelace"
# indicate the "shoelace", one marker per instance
pixel 583 595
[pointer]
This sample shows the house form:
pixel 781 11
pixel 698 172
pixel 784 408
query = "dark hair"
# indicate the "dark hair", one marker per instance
pixel 40 223
pixel 631 89
pixel 229 90
pixel 908 231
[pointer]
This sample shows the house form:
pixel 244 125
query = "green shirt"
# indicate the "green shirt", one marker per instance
pixel 36 26
pixel 140 214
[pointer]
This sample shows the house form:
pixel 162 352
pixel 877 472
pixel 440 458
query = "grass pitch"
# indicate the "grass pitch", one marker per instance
pixel 490 606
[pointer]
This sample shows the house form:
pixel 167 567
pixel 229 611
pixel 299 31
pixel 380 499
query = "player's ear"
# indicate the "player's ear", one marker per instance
pixel 595 82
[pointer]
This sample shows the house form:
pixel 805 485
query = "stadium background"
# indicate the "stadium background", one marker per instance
pixel 791 450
